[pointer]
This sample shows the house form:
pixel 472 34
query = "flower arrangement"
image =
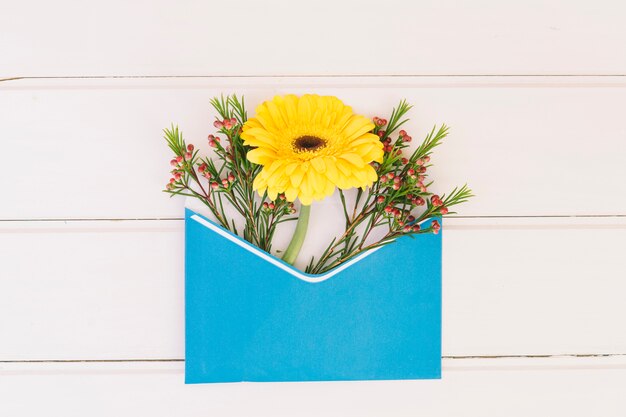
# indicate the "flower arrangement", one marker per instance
pixel 302 150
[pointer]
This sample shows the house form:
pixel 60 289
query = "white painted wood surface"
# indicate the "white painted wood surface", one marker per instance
pixel 528 146
pixel 282 37
pixel 518 387
pixel 91 250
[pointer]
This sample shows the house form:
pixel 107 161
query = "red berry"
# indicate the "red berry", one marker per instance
pixel 173 162
pixel 202 168
pixel 212 144
pixel 416 228
pixel 381 133
pixel 265 205
pixel 281 197
pixel 225 182
pixel 177 175
pixel 402 133
pixel 427 159
pixel 396 186
pixel 214 185
pixel 179 159
pixel 419 201
pixel 406 229
pixel 218 124
pixel 443 210
pixel 405 161
pixel 407 138
pixel 231 177
pixel 388 209
pixel 411 171
pixel 190 148
pixel 172 180
pixel 272 206
pixel 380 199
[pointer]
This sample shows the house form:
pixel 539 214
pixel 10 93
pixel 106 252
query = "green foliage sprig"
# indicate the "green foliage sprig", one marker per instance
pixel 228 179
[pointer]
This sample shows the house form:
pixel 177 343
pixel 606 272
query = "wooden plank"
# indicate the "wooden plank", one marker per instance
pixel 476 387
pixel 114 289
pixel 279 37
pixel 527 146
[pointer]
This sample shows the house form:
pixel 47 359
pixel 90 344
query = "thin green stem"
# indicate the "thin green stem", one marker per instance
pixel 291 254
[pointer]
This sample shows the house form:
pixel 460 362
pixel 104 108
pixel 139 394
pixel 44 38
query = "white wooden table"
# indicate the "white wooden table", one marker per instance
pixel 91 254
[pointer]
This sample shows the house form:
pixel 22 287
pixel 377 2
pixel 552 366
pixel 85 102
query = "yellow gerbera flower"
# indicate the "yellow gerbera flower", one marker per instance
pixel 309 145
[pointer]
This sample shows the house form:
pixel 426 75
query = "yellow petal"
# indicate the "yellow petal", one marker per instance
pixel 318 164
pixel 261 156
pixel 354 159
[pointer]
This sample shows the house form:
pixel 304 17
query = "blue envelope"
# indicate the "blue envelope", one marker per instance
pixel 252 317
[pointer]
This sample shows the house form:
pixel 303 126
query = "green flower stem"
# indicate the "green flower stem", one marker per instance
pixel 291 254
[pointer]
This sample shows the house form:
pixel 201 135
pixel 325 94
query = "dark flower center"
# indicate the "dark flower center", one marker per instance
pixel 308 144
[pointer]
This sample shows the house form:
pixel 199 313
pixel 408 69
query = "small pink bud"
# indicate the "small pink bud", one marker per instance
pixel 265 205
pixel 214 185
pixel 390 175
pixel 212 144
pixel 375 119
pixel 281 197
pixel 397 180
pixel 218 124
pixel 227 124
pixel 419 162
pixel 409 196
pixel 231 177
pixel 380 199
pixel 407 138
pixel 173 162
pixel 388 149
pixel 179 159
pixel 416 228
pixel 233 121
pixel 411 171
pixel 421 178
pixel 381 133
pixel 172 180
pixel 202 168
pixel 422 170
pixel 423 188
pixel 406 229
pixel 177 175
pixel 402 133
pixel 405 161
pixel 443 210
pixel 427 159
pixel 211 137
pixel 419 201
pixel 410 219
pixel 272 206
pixel 396 186
pixel 225 182
pixel 188 155
pixel 190 148
pixel 388 209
